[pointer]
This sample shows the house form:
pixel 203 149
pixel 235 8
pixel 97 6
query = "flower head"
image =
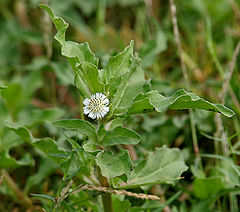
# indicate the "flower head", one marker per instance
pixel 96 106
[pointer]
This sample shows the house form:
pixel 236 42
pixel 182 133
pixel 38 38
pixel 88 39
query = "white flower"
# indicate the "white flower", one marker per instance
pixel 96 106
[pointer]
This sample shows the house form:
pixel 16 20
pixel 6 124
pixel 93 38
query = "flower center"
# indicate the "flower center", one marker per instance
pixel 96 104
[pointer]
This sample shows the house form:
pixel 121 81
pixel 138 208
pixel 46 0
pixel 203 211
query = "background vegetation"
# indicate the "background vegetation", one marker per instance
pixel 36 87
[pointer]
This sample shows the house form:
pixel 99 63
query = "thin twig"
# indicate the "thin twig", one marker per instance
pixel 113 191
pixel 184 71
pixel 47 31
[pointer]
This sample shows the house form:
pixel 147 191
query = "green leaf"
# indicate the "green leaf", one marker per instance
pixel 75 52
pixel 121 135
pixel 230 172
pixel 46 145
pixel 59 23
pixel 15 104
pixel 37 116
pixel 2 87
pixel 63 72
pixel 71 166
pixel 83 89
pixel 119 64
pixel 81 126
pixel 135 85
pixel 44 196
pixel 151 49
pixel 206 187
pixel 46 167
pixel 165 165
pixel 8 140
pixel 114 165
pixel 78 53
pixel 89 73
pixel 179 100
pixel 126 88
pixel 50 148
pixel 23 132
pixel 119 204
pixel 6 161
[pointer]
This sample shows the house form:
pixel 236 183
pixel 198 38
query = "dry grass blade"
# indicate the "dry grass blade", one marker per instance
pixel 113 191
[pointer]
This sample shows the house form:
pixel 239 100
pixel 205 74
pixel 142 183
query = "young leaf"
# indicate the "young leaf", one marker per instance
pixel 121 135
pixel 75 52
pixel 114 165
pixel 81 126
pixel 118 65
pixel 136 85
pixel 127 87
pixel 179 100
pixel 206 187
pixel 89 73
pixel 165 165
pixel 59 23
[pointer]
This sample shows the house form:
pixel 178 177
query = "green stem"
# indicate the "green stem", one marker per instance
pixel 106 198
pixel 81 108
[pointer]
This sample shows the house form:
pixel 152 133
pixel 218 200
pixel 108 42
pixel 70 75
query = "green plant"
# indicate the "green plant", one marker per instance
pixel 94 156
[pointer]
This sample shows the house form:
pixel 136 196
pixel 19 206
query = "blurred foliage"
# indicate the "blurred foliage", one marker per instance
pixel 36 88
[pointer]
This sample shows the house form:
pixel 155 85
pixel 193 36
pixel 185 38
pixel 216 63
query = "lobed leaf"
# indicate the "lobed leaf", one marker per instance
pixel 165 165
pixel 114 165
pixel 179 100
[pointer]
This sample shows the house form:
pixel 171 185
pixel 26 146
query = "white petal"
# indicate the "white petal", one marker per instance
pixel 106 109
pixel 102 113
pixel 90 115
pixel 98 115
pixel 86 101
pixel 94 116
pixel 86 111
pixel 105 101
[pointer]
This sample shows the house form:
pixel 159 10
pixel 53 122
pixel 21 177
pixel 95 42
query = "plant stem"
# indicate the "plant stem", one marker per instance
pixel 106 197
